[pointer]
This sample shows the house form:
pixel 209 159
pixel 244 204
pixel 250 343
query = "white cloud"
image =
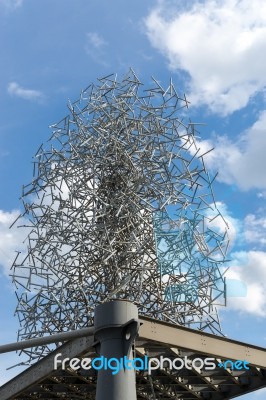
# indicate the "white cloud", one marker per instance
pixel 249 268
pixel 255 229
pixel 14 89
pixel 11 4
pixel 224 222
pixel 242 162
pixel 95 46
pixel 246 275
pixel 11 240
pixel 95 40
pixel 220 44
pixel 262 195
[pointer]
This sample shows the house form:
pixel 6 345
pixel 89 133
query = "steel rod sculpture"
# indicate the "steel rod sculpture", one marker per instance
pixel 120 206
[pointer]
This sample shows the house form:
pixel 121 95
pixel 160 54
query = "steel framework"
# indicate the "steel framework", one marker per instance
pixel 156 339
pixel 120 206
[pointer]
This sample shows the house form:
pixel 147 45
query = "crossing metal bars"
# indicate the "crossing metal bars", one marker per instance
pixel 120 206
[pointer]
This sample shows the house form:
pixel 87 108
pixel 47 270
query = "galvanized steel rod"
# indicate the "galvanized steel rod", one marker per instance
pixel 58 337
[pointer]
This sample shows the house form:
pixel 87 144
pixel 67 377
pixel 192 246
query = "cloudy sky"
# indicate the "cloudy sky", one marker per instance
pixel 214 50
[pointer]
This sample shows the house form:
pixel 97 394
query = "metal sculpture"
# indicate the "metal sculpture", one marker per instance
pixel 120 206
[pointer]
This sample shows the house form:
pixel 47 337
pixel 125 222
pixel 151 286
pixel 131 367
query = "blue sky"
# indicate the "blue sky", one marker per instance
pixel 214 51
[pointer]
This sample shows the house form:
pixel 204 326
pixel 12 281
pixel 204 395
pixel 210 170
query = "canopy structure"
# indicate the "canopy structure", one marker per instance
pixel 156 338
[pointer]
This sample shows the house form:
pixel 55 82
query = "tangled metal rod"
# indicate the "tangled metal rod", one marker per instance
pixel 120 206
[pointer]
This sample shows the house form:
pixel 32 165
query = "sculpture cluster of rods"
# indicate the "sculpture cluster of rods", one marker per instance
pixel 120 206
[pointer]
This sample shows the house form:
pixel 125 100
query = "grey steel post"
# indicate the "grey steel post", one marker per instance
pixel 116 326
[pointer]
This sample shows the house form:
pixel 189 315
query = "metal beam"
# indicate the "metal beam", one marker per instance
pixel 220 384
pixel 44 367
pixel 40 341
pixel 205 343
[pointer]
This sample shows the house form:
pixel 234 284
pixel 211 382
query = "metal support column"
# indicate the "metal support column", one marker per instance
pixel 116 326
